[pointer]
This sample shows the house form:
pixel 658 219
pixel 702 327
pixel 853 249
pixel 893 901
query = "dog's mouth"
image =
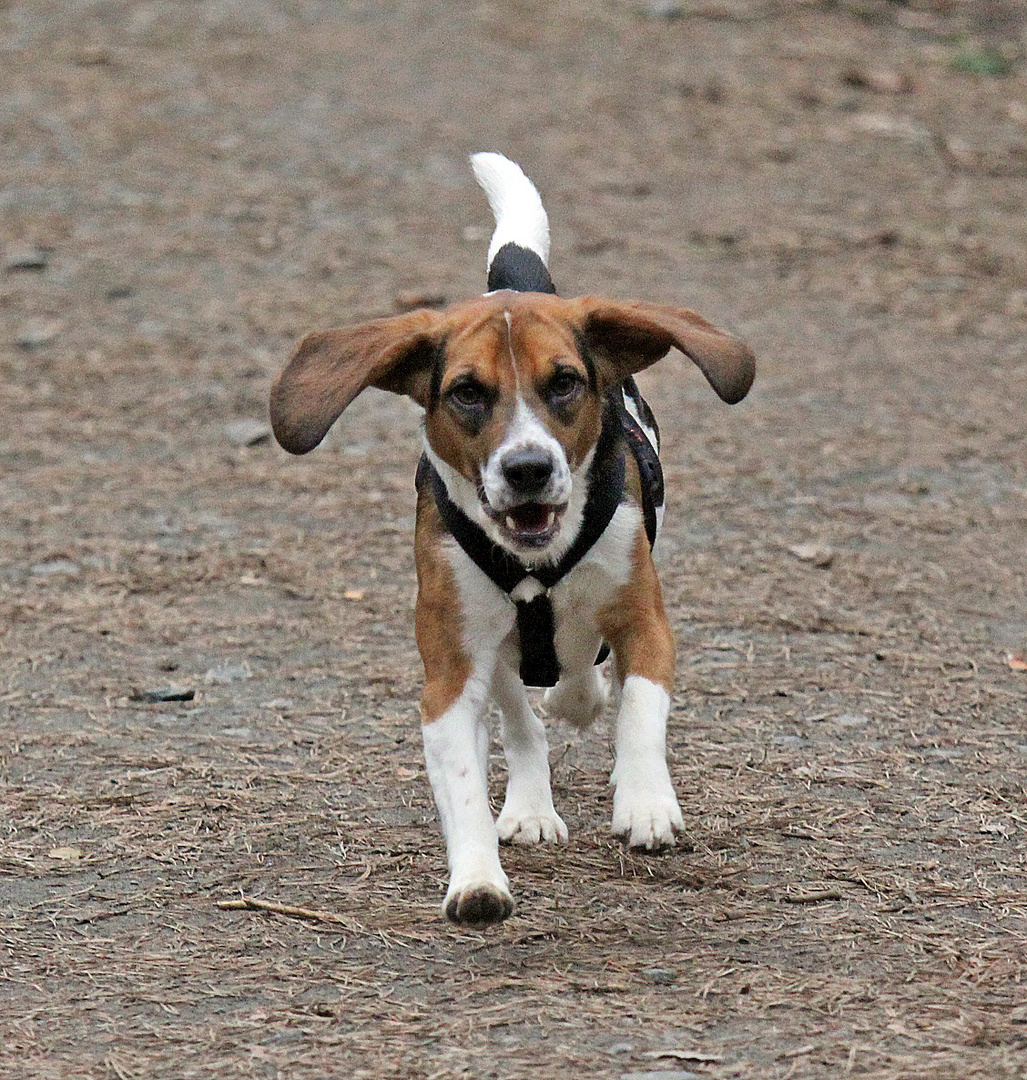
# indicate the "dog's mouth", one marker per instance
pixel 530 524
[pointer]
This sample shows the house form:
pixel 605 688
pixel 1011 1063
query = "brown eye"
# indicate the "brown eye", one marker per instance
pixel 468 395
pixel 564 386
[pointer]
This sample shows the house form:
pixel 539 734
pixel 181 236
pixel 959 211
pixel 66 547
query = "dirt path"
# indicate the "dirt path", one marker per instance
pixel 184 188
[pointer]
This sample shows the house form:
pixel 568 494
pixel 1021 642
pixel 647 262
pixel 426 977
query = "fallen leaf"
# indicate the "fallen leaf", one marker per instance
pixel 354 594
pixel 1016 661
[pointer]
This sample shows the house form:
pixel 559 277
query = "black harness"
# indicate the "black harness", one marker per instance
pixel 536 624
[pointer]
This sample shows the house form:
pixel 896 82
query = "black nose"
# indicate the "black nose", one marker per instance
pixel 527 471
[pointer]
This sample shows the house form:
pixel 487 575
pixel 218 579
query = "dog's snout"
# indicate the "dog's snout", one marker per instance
pixel 527 471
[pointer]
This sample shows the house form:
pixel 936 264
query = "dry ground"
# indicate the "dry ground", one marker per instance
pixel 188 186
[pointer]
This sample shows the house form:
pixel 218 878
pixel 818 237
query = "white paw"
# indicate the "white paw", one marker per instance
pixel 579 699
pixel 646 817
pixel 526 826
pixel 481 903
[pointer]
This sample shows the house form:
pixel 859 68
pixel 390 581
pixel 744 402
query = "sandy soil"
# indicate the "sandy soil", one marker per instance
pixel 184 189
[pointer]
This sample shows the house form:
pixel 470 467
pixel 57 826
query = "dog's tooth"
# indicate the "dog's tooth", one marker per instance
pixel 510 523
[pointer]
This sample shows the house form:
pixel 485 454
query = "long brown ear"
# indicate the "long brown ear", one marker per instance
pixel 329 369
pixel 630 336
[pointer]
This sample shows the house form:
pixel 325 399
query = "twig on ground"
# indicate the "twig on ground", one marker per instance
pixel 812 897
pixel 251 903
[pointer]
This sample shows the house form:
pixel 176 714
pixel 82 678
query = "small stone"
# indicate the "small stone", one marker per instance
pixel 879 80
pixel 228 673
pixel 69 854
pixel 789 742
pixel 660 976
pixel 666 9
pixel 852 720
pixel 818 554
pixel 54 567
pixel 892 127
pixel 21 256
pixel 164 693
pixel 247 432
pixel 38 332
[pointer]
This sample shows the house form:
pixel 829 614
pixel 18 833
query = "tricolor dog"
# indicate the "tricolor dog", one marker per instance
pixel 538 498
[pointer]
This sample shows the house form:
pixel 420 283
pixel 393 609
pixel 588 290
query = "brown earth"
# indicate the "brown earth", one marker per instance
pixel 188 186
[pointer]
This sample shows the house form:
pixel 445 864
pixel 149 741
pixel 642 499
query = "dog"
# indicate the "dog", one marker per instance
pixel 539 494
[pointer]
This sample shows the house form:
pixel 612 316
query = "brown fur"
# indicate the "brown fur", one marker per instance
pixel 511 343
pixel 438 621
pixel 635 624
pixel 329 369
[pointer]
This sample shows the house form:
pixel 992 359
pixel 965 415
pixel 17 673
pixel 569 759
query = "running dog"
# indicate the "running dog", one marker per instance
pixel 539 495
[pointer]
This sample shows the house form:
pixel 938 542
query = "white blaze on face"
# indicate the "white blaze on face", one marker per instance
pixel 526 432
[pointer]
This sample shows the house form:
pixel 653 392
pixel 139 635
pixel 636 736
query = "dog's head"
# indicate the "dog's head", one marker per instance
pixel 512 385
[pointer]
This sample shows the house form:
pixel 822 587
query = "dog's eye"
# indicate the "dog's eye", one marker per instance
pixel 468 395
pixel 564 386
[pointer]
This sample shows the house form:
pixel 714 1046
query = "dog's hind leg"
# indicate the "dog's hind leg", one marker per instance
pixel 579 698
pixel 528 814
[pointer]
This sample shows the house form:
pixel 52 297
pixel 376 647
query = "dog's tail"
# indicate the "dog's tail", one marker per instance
pixel 519 251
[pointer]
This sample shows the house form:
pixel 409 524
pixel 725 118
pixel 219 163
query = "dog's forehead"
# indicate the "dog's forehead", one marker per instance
pixel 507 333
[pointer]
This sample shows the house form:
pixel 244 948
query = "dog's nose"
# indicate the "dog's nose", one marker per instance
pixel 527 471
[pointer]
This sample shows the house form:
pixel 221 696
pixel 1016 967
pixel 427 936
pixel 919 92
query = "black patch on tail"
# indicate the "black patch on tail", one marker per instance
pixel 520 269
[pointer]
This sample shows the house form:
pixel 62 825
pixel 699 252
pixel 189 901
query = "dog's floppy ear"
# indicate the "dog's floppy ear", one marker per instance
pixel 629 336
pixel 329 369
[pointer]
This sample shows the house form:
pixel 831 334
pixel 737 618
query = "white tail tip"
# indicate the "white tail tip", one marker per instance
pixel 516 205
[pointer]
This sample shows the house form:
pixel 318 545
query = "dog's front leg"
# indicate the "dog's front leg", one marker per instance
pixel 460 625
pixel 528 814
pixel 456 747
pixel 645 809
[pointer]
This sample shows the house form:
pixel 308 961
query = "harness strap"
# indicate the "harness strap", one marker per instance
pixel 536 623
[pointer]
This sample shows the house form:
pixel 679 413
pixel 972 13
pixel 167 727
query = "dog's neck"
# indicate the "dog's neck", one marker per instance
pixel 528 585
pixel 605 484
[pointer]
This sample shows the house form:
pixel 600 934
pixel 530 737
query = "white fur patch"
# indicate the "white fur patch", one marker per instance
pixel 645 808
pixel 526 432
pixel 528 814
pixel 488 615
pixel 516 205
pixel 456 748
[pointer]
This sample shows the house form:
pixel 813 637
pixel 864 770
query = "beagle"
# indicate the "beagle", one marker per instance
pixel 539 494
